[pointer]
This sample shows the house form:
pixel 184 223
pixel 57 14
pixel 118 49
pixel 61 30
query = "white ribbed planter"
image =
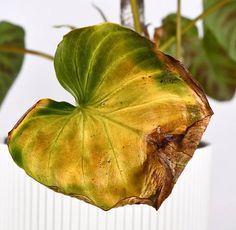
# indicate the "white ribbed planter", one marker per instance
pixel 27 205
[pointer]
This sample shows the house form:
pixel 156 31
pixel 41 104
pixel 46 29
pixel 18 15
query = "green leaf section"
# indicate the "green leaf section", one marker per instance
pixel 206 59
pixel 222 25
pixel 89 71
pixel 10 64
pixel 130 134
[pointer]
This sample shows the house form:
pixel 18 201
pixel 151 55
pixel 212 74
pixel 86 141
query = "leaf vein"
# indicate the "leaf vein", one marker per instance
pixel 114 152
pixel 95 53
pixel 123 85
pixel 118 61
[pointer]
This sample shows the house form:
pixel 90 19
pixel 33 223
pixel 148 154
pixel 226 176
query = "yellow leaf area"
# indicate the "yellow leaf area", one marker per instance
pixel 106 154
pixel 127 144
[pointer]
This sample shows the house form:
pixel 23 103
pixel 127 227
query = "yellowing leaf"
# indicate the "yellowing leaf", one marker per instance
pixel 138 119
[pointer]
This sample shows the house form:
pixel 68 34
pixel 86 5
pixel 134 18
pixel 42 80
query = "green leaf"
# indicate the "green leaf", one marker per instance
pixel 222 66
pixel 206 59
pixel 168 30
pixel 138 119
pixel 10 64
pixel 222 25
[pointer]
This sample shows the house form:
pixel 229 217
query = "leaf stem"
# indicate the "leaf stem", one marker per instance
pixel 18 50
pixel 100 12
pixel 204 14
pixel 65 26
pixel 178 30
pixel 136 18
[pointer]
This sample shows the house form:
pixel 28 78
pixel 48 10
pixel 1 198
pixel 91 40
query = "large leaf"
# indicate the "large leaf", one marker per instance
pixel 138 119
pixel 222 24
pixel 207 60
pixel 10 63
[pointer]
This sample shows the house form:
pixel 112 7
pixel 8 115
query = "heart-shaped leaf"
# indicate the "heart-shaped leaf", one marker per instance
pixel 207 60
pixel 138 119
pixel 10 63
pixel 222 23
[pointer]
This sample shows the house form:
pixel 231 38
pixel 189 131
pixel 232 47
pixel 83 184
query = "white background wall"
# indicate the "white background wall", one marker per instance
pixel 37 80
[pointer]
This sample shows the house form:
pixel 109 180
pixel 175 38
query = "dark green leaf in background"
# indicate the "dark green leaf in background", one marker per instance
pixel 222 24
pixel 221 66
pixel 10 63
pixel 207 60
